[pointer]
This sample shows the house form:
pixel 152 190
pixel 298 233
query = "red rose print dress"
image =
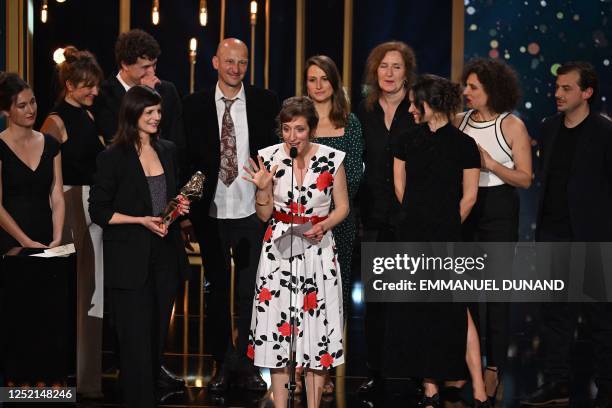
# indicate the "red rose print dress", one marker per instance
pixel 316 282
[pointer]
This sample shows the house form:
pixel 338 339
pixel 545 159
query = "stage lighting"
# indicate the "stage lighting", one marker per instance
pixel 203 13
pixel 44 11
pixel 155 12
pixel 58 56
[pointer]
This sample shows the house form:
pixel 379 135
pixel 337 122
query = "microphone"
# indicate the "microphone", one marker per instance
pixel 291 385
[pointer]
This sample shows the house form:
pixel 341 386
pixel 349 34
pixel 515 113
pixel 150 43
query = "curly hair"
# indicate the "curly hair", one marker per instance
pixel 442 95
pixel 134 44
pixel 11 85
pixel 500 82
pixel 294 107
pixel 374 60
pixel 79 67
pixel 340 105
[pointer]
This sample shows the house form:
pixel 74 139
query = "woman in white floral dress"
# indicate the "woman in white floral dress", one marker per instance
pixel 316 315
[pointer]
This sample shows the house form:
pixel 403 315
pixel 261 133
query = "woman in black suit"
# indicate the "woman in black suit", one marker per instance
pixel 143 259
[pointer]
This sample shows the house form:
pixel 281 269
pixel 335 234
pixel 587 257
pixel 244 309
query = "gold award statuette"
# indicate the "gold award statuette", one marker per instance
pixel 192 191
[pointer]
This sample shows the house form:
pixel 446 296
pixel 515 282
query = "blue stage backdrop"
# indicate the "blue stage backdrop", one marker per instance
pixel 535 36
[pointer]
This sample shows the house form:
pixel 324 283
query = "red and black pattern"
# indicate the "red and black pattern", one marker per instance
pixel 315 285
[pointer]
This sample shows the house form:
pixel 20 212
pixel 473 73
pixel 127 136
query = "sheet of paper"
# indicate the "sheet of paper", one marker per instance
pixel 62 250
pixel 287 248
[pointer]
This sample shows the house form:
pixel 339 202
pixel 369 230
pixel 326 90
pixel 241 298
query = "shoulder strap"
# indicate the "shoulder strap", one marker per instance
pixel 466 117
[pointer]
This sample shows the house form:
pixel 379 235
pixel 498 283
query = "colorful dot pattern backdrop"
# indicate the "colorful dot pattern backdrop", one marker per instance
pixel 535 37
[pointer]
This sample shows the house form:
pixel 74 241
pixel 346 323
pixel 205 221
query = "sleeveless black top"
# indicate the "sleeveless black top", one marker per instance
pixel 79 152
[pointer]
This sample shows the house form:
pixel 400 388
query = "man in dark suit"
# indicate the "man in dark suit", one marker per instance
pixel 226 125
pixel 575 205
pixel 136 54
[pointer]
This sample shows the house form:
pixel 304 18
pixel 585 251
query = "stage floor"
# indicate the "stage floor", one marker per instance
pixel 185 356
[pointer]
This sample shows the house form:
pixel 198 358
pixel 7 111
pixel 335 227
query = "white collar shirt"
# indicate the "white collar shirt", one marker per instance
pixel 238 199
pixel 122 82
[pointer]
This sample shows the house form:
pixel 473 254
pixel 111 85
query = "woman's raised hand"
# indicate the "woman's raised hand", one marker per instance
pixel 258 174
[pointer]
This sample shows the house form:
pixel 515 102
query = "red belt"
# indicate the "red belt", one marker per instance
pixel 286 218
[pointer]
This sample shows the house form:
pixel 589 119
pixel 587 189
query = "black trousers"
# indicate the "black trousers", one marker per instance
pixel 217 237
pixel 141 318
pixel 559 322
pixel 494 218
pixel 375 313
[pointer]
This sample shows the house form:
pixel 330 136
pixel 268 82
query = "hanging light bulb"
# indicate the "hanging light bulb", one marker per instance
pixel 155 12
pixel 44 11
pixel 203 13
pixel 193 49
pixel 253 12
pixel 61 1
pixel 58 56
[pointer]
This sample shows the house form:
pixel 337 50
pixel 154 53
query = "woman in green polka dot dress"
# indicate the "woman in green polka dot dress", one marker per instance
pixel 339 129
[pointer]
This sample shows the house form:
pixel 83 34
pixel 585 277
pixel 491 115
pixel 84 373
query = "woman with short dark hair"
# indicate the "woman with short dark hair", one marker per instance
pixel 144 259
pixel 435 179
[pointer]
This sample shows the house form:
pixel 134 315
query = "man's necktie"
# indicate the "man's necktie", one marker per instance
pixel 228 170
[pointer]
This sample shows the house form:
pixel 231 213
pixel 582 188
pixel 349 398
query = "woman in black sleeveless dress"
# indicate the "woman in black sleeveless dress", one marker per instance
pixel 436 179
pixel 71 123
pixel 32 205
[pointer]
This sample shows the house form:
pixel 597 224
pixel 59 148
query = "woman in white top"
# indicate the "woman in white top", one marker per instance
pixel 492 91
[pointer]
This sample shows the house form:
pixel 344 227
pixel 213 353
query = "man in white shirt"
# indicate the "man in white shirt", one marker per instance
pixel 225 126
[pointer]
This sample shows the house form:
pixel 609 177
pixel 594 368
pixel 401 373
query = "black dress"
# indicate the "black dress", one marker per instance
pixel 429 339
pixel 25 194
pixel 79 152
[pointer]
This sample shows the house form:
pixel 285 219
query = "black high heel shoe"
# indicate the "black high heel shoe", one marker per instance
pixel 482 404
pixel 429 402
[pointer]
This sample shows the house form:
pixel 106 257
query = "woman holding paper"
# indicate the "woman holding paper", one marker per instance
pixel 310 280
pixel 144 260
pixel 31 198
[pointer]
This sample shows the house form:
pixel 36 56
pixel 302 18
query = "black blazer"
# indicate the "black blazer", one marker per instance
pixel 120 185
pixel 107 104
pixel 203 146
pixel 589 189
